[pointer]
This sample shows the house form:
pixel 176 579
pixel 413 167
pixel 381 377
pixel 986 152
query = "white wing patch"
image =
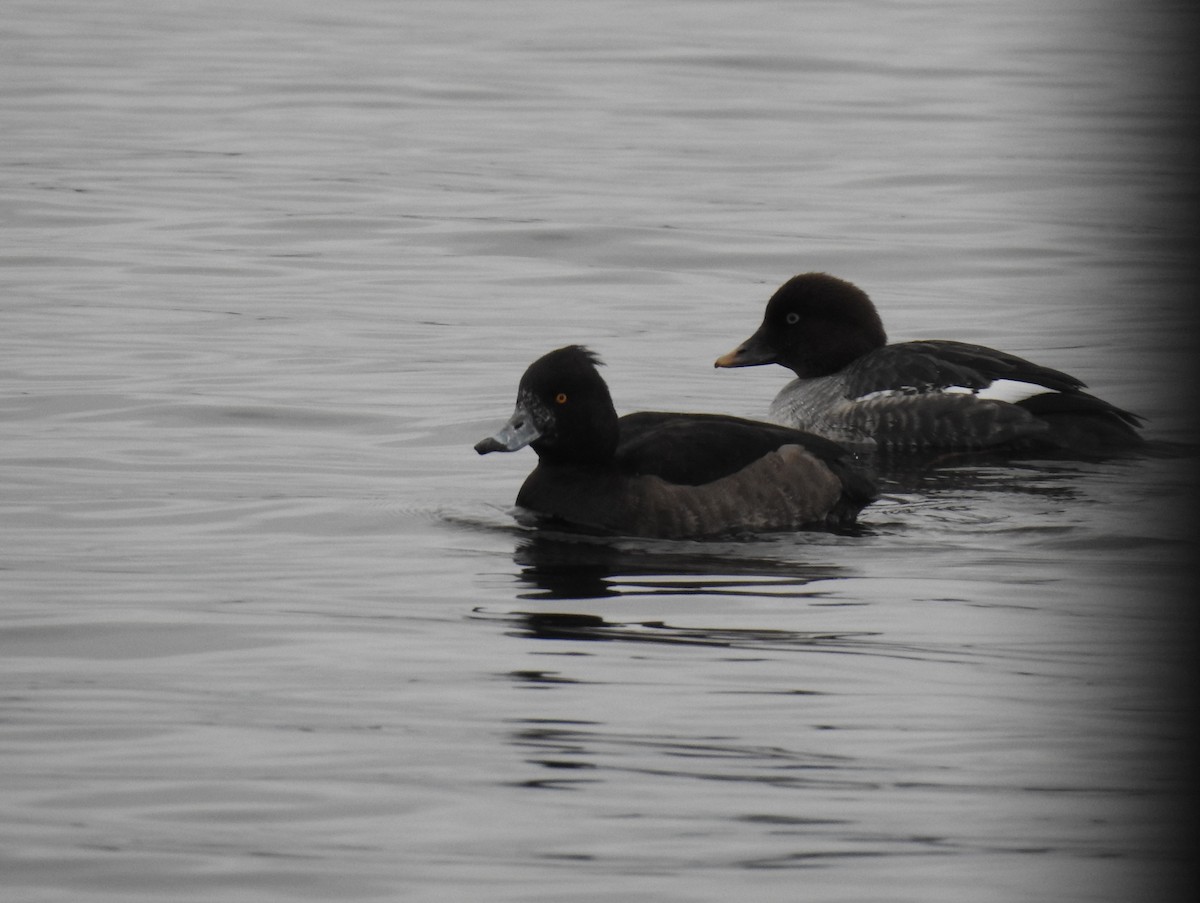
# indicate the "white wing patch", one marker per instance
pixel 1009 390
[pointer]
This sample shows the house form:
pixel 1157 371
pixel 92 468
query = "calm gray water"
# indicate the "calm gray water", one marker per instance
pixel 267 630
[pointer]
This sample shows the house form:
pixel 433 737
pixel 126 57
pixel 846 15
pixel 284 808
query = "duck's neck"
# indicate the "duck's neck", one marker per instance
pixel 830 352
pixel 590 444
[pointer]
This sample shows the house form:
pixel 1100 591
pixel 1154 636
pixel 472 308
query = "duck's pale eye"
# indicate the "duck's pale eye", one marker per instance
pixel 792 318
pixel 560 398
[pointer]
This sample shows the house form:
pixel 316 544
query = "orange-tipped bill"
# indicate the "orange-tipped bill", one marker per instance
pixel 751 353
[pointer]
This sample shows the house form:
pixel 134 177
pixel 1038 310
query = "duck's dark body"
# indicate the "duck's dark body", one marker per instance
pixel 915 396
pixel 689 475
pixel 669 475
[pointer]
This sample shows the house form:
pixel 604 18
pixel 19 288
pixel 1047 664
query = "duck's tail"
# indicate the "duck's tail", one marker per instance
pixel 1083 423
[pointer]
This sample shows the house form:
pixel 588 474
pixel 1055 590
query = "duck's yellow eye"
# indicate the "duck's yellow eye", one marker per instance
pixel 560 398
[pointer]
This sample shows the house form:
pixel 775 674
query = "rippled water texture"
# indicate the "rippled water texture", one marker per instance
pixel 267 629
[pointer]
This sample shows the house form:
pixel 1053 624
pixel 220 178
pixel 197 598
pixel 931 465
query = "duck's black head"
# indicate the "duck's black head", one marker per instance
pixel 564 411
pixel 815 324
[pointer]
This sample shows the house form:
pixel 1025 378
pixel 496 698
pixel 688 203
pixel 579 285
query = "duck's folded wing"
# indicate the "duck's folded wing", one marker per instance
pixel 932 365
pixel 694 449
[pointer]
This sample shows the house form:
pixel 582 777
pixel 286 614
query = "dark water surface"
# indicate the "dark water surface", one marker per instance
pixel 267 630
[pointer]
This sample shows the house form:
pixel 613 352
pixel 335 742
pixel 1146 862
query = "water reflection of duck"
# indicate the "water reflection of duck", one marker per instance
pixel 667 475
pixel 920 396
pixel 562 566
